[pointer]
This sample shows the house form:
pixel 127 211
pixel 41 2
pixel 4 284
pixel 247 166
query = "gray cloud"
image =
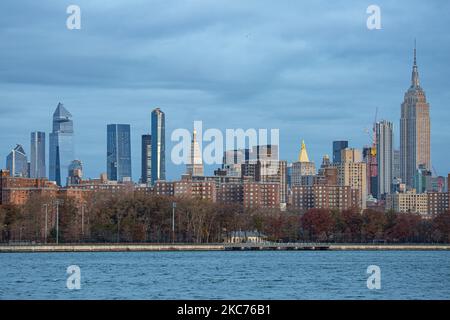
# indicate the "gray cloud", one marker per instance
pixel 310 68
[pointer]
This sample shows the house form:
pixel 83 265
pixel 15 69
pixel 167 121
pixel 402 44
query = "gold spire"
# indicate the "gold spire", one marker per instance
pixel 303 156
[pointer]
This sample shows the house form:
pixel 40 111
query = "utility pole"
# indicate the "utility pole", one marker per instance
pixel 174 205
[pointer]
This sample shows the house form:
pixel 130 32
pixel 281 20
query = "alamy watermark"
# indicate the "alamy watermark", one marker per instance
pixel 374 279
pixel 374 20
pixel 211 144
pixel 74 280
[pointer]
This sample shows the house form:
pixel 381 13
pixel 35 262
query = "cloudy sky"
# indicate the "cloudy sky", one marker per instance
pixel 310 68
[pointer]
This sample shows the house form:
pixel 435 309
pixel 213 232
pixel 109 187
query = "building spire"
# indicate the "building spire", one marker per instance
pixel 415 72
pixel 303 156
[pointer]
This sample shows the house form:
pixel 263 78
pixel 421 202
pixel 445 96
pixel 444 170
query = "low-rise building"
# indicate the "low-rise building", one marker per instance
pixel 324 197
pixel 17 190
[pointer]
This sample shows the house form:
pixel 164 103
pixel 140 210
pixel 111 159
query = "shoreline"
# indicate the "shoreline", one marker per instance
pixel 220 247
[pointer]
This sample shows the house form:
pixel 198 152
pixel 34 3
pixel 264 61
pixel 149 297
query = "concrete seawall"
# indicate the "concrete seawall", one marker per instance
pixel 215 247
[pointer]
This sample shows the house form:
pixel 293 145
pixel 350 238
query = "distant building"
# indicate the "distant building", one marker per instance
pixel 75 175
pixel 164 188
pixel 230 192
pixel 422 179
pixel 195 165
pixel 233 161
pixel 325 197
pixel 396 164
pixel 37 154
pixel 17 190
pixel 245 237
pixel 352 172
pixel 158 146
pixel 61 144
pixel 338 146
pixel 384 140
pixel 370 158
pixel 408 202
pixel 302 168
pixel 118 157
pixel 414 129
pixel 262 195
pixel 17 163
pixel 195 189
pixel 146 159
pixel 438 202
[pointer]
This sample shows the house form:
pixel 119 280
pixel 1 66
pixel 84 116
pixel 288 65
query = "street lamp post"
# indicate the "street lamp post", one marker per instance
pixel 82 220
pixel 174 205
pixel 46 221
pixel 57 221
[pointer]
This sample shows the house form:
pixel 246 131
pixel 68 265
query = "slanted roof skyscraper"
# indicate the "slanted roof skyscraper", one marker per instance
pixel 61 151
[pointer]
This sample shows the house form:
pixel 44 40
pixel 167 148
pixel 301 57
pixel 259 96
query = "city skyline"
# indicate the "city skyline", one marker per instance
pixel 316 82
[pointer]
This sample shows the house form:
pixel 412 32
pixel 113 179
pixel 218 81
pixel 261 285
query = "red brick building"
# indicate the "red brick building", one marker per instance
pixel 261 195
pixel 17 190
pixel 324 197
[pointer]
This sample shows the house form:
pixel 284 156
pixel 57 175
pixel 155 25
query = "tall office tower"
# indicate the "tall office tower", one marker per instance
pixel 269 152
pixel 396 164
pixel 422 179
pixel 75 174
pixel 61 144
pixel 370 158
pixel 266 160
pixel 17 163
pixel 195 165
pixel 233 160
pixel 337 147
pixel 351 155
pixel 414 129
pixel 384 140
pixel 37 154
pixel 274 171
pixel 302 168
pixel 146 159
pixel 118 157
pixel 352 172
pixel 158 146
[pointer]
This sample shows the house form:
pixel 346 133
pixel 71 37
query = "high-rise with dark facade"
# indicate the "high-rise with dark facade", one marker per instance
pixel 158 146
pixel 61 144
pixel 338 146
pixel 118 158
pixel 146 158
pixel 414 129
pixel 37 155
pixel 384 140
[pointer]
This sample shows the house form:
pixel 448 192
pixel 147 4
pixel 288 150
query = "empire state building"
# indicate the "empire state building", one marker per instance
pixel 414 129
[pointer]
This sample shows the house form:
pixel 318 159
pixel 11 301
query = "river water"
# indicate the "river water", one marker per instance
pixel 226 275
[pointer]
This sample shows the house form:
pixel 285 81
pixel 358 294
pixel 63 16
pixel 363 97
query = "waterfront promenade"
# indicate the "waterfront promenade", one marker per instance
pixel 123 247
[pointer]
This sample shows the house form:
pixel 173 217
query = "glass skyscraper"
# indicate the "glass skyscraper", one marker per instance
pixel 338 146
pixel 17 163
pixel 118 157
pixel 37 154
pixel 61 144
pixel 158 146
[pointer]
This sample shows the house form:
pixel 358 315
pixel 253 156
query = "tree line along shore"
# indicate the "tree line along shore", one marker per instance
pixel 137 218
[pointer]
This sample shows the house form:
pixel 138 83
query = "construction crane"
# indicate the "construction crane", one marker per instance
pixel 374 134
